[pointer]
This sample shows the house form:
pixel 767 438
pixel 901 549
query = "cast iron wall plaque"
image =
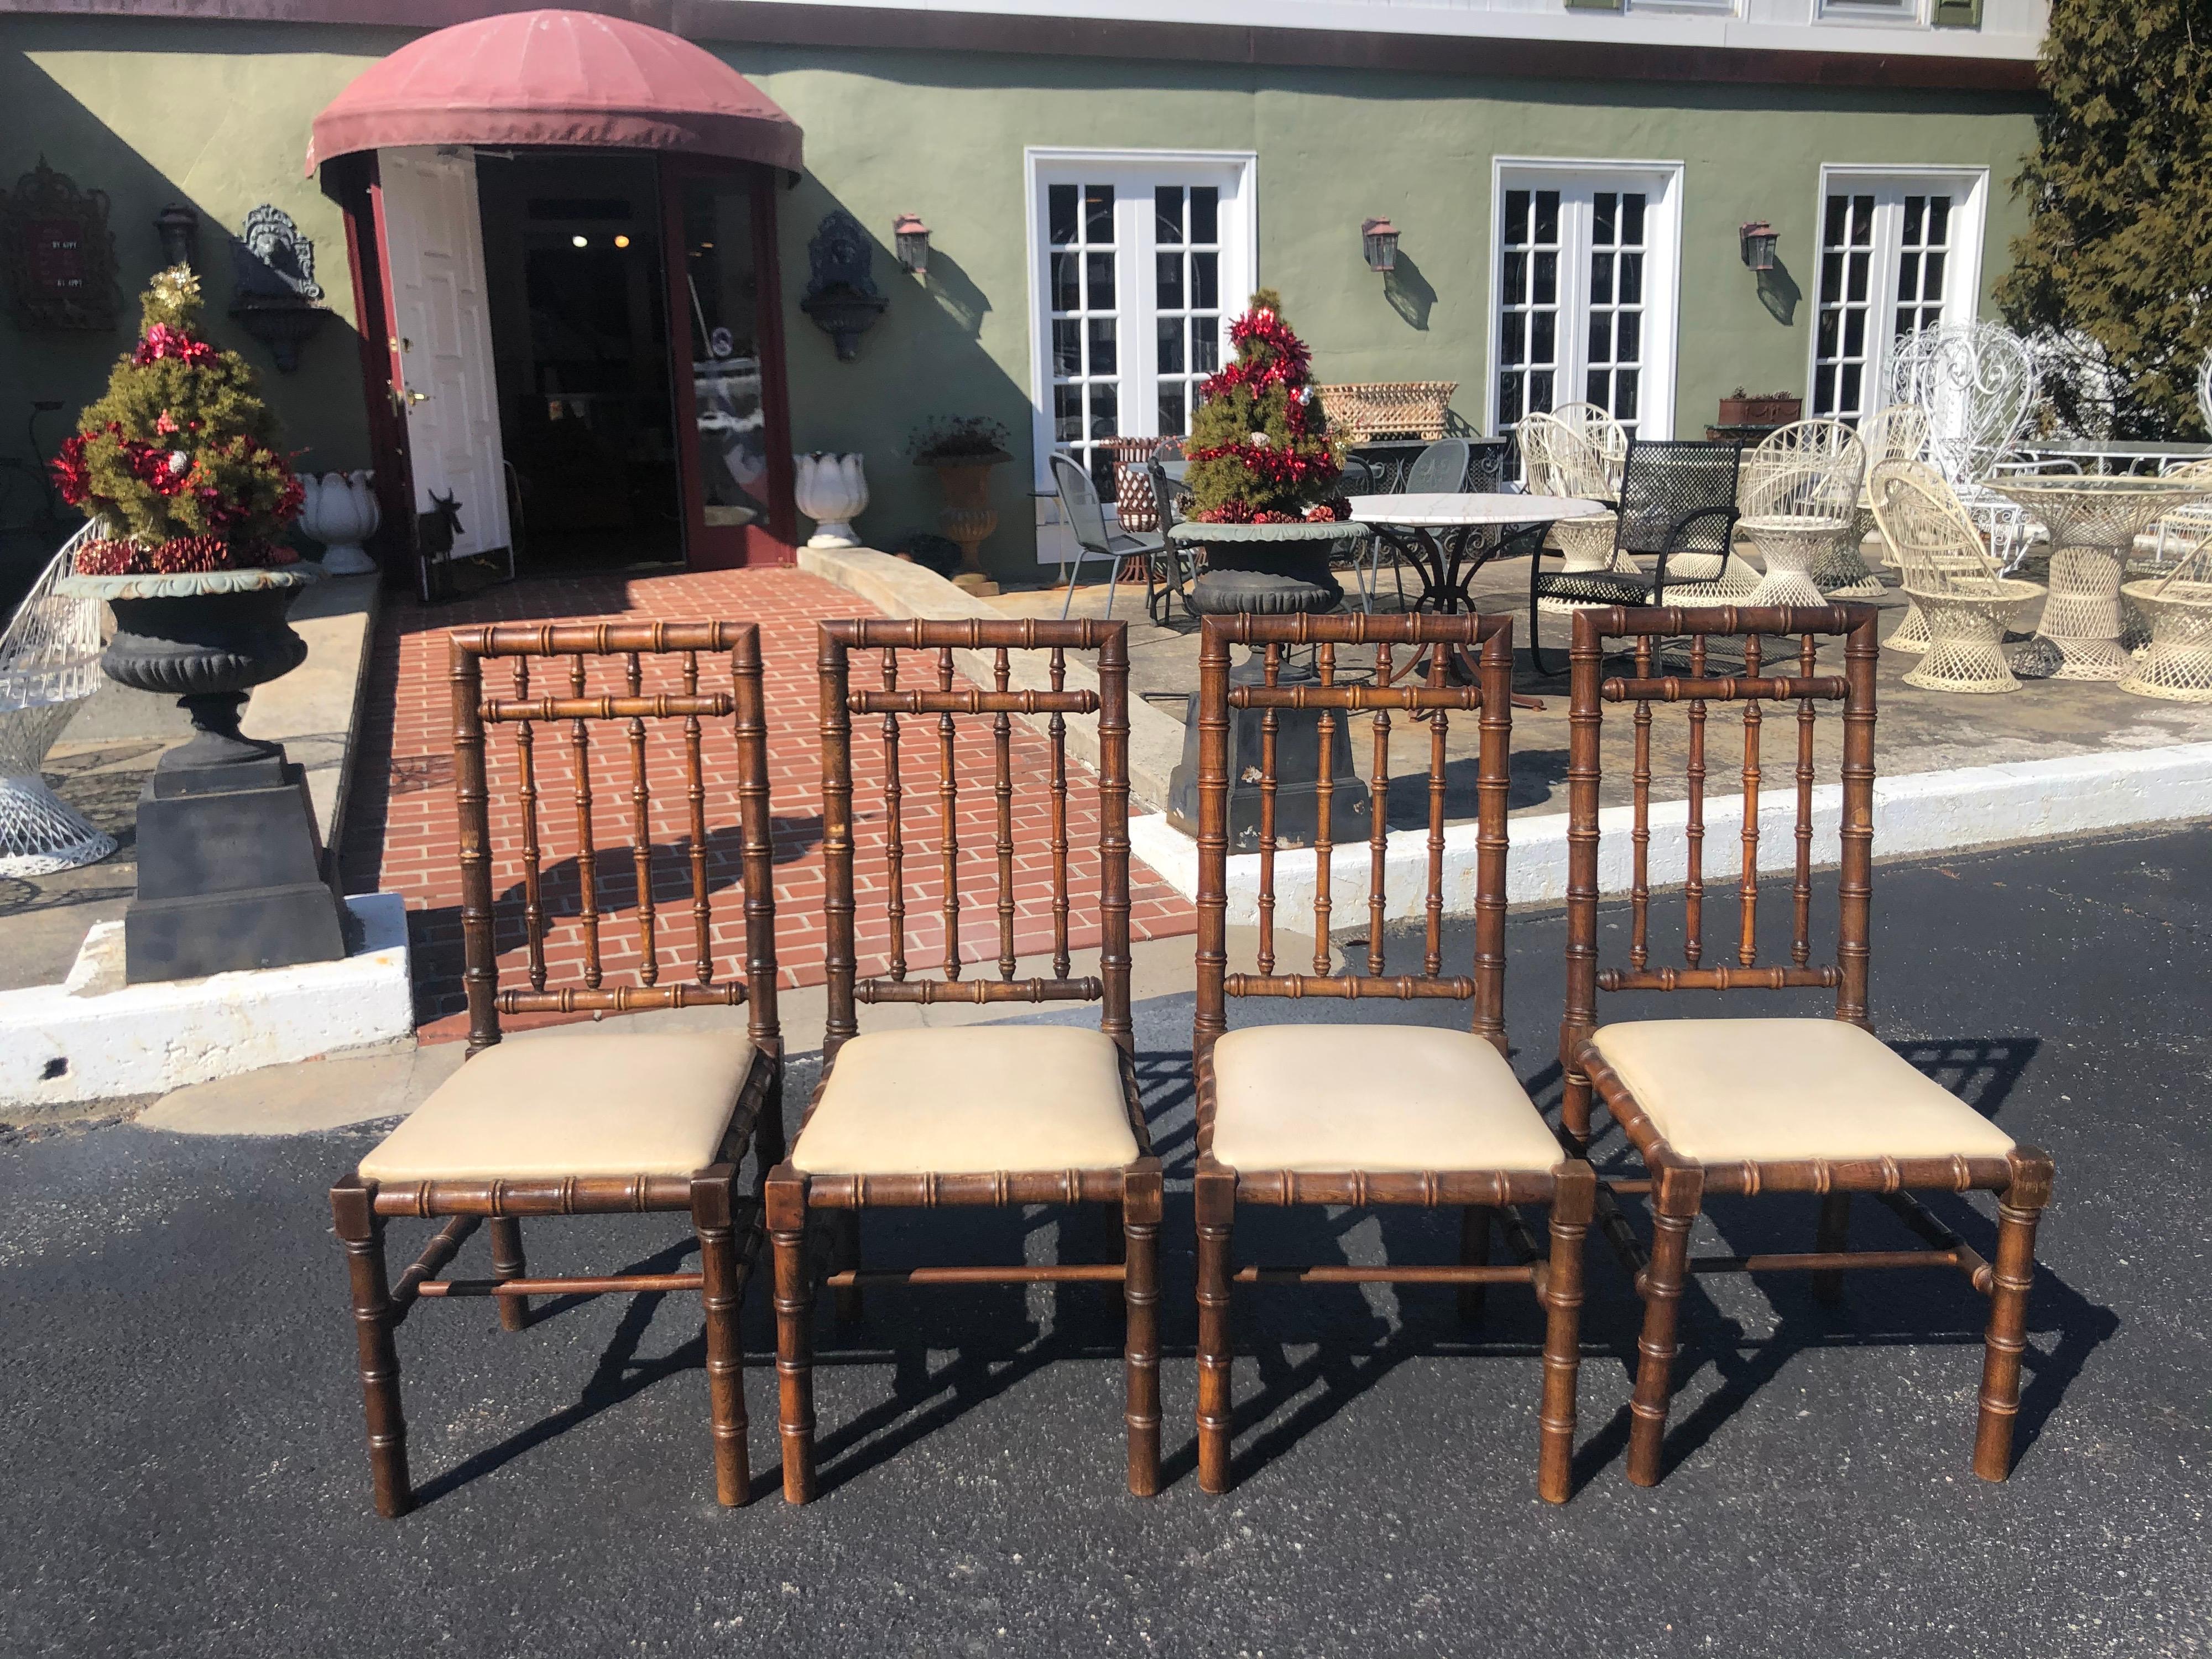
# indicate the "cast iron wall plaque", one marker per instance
pixel 841 296
pixel 274 293
pixel 57 253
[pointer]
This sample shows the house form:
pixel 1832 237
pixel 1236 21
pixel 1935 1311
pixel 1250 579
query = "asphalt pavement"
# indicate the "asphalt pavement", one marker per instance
pixel 182 1471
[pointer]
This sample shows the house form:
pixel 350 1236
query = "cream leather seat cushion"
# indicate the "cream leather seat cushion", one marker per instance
pixel 581 1105
pixel 970 1100
pixel 1722 1090
pixel 1324 1099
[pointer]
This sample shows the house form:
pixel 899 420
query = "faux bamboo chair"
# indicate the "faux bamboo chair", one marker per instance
pixel 594 1124
pixel 1963 603
pixel 1800 493
pixel 986 1114
pixel 1372 1114
pixel 1747 1107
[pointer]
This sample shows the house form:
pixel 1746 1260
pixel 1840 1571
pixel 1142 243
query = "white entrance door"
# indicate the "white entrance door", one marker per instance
pixel 441 357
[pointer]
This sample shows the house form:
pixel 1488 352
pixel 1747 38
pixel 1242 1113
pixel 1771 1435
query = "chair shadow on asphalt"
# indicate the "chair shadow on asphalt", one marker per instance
pixel 1317 1351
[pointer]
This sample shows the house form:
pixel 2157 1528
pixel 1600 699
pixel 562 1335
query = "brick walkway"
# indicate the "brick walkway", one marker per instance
pixel 400 827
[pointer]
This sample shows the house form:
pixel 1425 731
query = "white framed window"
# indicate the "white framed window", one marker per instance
pixel 1139 261
pixel 1585 267
pixel 1899 251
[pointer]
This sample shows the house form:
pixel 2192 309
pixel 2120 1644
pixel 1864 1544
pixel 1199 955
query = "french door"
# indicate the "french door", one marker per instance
pixel 1584 285
pixel 1140 262
pixel 1898 253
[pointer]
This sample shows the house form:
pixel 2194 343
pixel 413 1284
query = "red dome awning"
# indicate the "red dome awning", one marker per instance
pixel 557 77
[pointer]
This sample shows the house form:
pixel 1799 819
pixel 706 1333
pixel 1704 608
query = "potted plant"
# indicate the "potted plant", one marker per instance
pixel 1264 476
pixel 1267 504
pixel 963 448
pixel 178 467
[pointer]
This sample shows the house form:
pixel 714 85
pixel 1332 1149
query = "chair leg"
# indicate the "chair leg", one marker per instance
pixel 1833 1234
pixel 1140 1299
pixel 795 1315
pixel 845 1256
pixel 2013 1273
pixel 506 1262
pixel 360 1230
pixel 1475 1221
pixel 1535 579
pixel 1215 1197
pixel 721 1290
pixel 1677 1195
pixel 1074 575
pixel 1572 1206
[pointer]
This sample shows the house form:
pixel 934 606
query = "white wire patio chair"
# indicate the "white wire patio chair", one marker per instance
pixel 1967 601
pixel 1799 493
pixel 49 667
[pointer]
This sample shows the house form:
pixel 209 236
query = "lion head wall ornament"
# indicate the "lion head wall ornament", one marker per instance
pixel 841 296
pixel 274 293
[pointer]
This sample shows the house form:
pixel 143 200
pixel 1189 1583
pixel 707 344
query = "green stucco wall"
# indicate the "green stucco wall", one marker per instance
pixel 217 115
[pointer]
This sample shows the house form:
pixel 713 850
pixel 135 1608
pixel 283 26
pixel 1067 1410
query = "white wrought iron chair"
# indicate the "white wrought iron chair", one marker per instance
pixel 1968 602
pixel 49 665
pixel 1977 381
pixel 1799 493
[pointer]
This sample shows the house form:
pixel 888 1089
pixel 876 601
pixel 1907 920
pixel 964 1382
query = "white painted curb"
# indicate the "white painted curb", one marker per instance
pixel 1917 813
pixel 58 1049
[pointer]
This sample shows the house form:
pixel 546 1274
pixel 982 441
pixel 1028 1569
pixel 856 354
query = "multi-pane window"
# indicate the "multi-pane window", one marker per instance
pixel 1585 276
pixel 1842 343
pixel 1528 304
pixel 1615 363
pixel 1086 337
pixel 1896 257
pixel 1186 297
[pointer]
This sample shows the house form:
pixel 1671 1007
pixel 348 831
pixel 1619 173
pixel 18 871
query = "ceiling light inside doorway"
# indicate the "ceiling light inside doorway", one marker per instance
pixel 621 241
pixel 580 242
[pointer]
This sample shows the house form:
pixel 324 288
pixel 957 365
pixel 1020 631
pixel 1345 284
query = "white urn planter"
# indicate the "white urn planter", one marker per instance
pixel 341 512
pixel 832 490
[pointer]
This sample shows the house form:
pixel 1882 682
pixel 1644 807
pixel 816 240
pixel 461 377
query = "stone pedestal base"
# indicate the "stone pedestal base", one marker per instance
pixel 975 582
pixel 229 873
pixel 1297 768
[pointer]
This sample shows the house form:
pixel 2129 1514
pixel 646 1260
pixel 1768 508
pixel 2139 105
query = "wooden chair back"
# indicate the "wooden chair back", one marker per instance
pixel 1795 678
pixel 1023 838
pixel 1416 688
pixel 658 689
pixel 1928 534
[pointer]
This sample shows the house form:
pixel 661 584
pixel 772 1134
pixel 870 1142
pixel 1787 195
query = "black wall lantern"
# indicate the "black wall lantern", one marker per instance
pixel 178 228
pixel 912 238
pixel 1758 239
pixel 1380 238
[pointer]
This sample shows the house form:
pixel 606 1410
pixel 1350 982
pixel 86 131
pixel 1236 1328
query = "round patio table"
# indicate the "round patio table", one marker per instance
pixel 2093 521
pixel 1445 544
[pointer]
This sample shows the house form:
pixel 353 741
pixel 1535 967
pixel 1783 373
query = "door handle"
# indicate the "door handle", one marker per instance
pixel 418 397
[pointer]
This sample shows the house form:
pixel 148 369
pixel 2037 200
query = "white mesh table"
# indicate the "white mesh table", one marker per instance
pixel 2093 522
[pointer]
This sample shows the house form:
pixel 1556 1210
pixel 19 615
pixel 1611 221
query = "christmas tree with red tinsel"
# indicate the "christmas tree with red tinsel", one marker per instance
pixel 177 465
pixel 1260 451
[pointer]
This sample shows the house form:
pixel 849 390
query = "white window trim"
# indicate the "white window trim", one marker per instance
pixel 1041 165
pixel 1962 276
pixel 1863 13
pixel 1663 276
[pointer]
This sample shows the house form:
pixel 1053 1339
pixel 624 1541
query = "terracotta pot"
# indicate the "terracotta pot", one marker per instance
pixel 968 517
pixel 1779 411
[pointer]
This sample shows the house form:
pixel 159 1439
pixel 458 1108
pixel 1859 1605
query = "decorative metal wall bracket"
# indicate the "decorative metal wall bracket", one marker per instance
pixel 841 296
pixel 274 293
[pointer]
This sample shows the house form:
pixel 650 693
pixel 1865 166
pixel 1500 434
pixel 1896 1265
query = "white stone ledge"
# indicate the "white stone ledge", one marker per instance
pixel 59 1047
pixel 1915 814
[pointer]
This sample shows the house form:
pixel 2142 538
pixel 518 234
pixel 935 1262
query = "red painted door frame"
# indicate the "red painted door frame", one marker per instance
pixel 721 547
pixel 351 181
